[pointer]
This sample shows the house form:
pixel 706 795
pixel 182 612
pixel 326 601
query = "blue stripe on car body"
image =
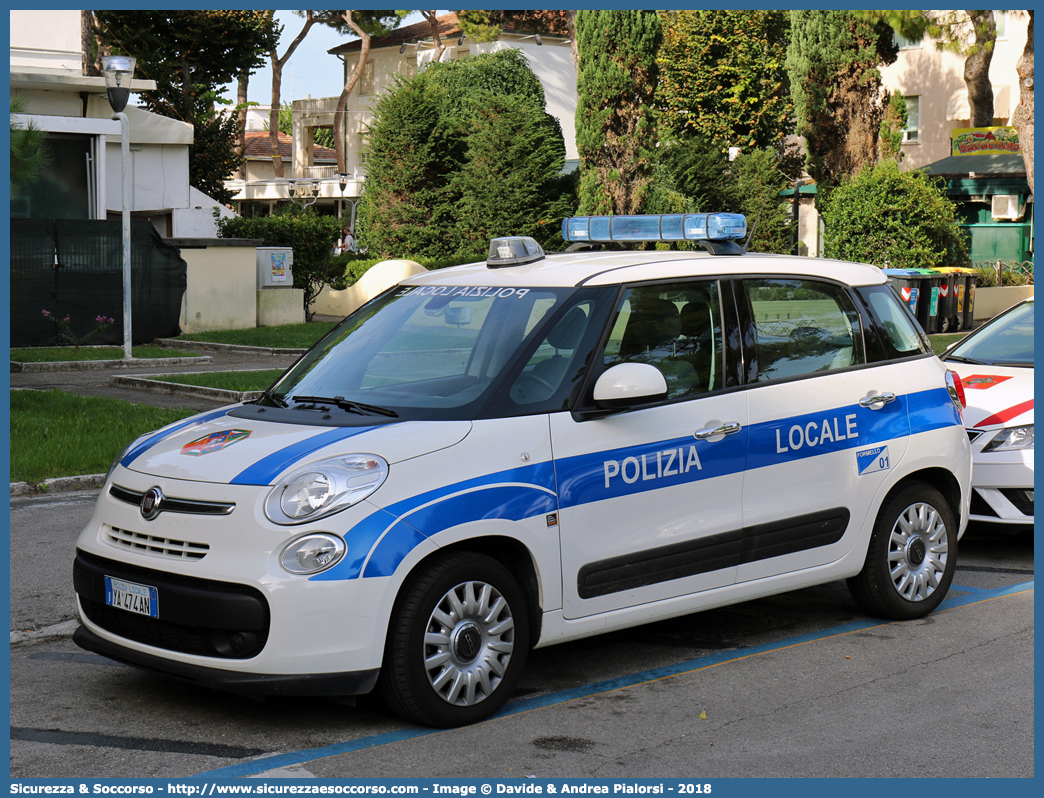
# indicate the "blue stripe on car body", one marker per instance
pixel 383 539
pixel 144 446
pixel 265 470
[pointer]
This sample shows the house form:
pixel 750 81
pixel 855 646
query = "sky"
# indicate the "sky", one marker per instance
pixel 311 70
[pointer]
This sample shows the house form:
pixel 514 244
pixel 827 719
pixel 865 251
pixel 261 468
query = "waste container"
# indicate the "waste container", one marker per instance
pixel 928 302
pixel 948 280
pixel 906 285
pixel 966 281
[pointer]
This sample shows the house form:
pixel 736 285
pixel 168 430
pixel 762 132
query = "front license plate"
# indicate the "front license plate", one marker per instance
pixel 142 599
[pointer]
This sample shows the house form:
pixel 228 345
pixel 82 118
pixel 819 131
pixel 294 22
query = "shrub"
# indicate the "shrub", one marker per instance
pixel 999 273
pixel 893 218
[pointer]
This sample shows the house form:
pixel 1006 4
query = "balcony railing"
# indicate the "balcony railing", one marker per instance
pixel 318 171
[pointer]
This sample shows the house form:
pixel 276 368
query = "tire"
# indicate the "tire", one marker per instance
pixel 911 557
pixel 458 641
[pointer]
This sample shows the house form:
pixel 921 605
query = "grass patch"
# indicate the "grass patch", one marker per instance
pixel 225 380
pixel 940 342
pixel 56 434
pixel 285 336
pixel 55 354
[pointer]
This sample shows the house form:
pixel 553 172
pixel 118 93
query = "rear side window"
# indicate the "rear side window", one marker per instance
pixel 803 327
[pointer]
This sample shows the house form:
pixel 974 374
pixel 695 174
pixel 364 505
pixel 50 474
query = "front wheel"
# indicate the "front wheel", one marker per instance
pixel 458 641
pixel 911 557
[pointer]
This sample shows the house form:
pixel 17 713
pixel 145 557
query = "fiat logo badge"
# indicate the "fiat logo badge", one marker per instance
pixel 150 503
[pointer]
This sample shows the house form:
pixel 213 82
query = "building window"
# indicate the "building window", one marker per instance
pixel 366 81
pixel 363 146
pixel 1001 19
pixel 461 54
pixel 913 108
pixel 411 66
pixel 906 44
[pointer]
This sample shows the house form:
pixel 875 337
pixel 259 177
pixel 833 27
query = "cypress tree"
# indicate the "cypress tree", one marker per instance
pixel 833 61
pixel 615 125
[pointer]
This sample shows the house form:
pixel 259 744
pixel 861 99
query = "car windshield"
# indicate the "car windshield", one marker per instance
pixel 419 351
pixel 1005 341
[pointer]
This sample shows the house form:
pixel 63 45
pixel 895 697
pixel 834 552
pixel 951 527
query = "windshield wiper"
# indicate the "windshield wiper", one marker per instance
pixel 345 404
pixel 276 400
pixel 960 359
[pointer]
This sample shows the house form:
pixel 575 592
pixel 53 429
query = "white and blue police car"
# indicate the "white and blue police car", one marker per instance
pixel 534 449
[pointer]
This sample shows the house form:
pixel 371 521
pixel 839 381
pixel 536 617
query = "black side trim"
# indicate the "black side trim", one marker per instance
pixel 794 534
pixel 660 565
pixel 725 550
pixel 294 684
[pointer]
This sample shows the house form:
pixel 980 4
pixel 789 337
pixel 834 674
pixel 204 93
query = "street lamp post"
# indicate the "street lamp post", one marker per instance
pixel 118 71
pixel 304 192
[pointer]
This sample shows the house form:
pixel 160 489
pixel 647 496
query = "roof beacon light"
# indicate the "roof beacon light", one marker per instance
pixel 665 227
pixel 513 251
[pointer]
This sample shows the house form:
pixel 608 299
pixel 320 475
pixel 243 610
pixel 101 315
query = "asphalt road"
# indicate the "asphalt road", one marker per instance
pixel 799 685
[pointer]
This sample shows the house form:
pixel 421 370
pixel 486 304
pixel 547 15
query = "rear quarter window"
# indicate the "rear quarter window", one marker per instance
pixel 898 333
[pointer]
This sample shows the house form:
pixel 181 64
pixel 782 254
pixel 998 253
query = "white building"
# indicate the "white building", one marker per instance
pixel 84 180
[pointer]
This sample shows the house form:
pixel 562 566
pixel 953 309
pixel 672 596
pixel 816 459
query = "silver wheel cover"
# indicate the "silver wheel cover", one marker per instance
pixel 468 643
pixel 917 551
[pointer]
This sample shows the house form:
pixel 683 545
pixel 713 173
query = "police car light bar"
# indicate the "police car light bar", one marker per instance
pixel 663 227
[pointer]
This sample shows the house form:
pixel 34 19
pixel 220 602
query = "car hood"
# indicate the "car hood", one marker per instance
pixel 217 447
pixel 998 396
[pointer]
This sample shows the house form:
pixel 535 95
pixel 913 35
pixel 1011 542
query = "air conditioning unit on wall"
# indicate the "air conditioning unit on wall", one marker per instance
pixel 1007 206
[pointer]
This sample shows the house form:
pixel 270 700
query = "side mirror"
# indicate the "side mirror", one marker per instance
pixel 629 384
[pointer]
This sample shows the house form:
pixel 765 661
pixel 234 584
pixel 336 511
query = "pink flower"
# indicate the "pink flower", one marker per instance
pixel 47 313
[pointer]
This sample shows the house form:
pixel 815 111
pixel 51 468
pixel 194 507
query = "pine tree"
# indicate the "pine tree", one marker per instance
pixel 615 123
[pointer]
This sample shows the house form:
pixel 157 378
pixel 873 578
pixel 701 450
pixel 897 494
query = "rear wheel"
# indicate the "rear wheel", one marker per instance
pixel 912 555
pixel 458 642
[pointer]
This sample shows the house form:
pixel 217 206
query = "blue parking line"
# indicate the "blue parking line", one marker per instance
pixel 255 766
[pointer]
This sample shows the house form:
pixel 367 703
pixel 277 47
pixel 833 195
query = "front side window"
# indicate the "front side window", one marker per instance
pixel 675 327
pixel 803 327
pixel 422 351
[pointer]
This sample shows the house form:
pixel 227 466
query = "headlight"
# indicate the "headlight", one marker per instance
pixel 312 553
pixel 326 487
pixel 1009 439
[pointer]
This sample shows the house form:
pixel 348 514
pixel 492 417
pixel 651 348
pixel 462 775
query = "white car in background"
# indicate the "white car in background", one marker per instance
pixel 996 366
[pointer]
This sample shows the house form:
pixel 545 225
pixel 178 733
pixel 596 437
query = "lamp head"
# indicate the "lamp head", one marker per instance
pixel 118 69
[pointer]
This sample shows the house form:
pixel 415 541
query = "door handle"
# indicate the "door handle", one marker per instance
pixel 882 398
pixel 724 429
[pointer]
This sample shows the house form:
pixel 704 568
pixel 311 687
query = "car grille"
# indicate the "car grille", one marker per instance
pixel 154 545
pixel 197 616
pixel 979 506
pixel 171 504
pixel 1023 503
